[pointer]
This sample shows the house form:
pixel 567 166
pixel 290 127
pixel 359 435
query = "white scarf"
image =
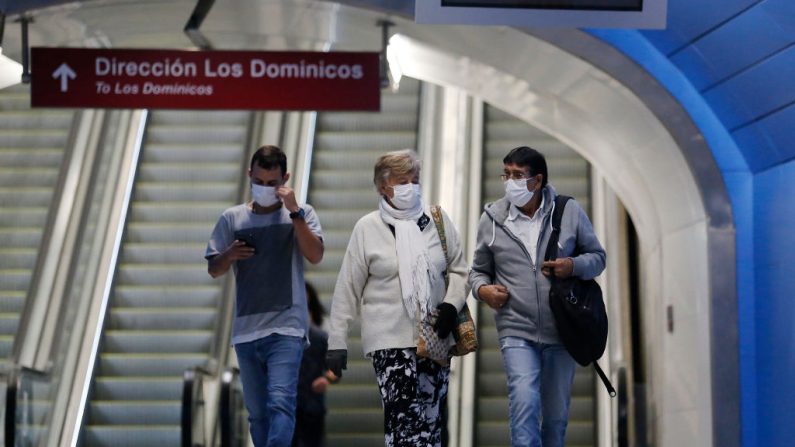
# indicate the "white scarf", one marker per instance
pixel 414 264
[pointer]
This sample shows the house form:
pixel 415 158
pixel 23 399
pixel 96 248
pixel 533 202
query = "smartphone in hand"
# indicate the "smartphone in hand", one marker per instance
pixel 247 237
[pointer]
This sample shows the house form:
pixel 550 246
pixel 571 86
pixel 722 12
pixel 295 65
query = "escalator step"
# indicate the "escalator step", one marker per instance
pixel 137 412
pixel 138 388
pixel 132 365
pixel 132 436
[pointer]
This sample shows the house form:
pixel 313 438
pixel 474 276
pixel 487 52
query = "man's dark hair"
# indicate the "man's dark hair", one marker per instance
pixel 269 157
pixel 316 310
pixel 527 157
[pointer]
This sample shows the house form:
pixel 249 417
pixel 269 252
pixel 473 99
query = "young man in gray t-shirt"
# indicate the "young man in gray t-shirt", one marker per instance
pixel 264 242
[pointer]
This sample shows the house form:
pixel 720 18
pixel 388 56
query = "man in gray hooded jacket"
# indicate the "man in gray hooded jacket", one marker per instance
pixel 509 274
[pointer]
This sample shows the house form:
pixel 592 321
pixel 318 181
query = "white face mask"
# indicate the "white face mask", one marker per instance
pixel 406 196
pixel 265 196
pixel 517 193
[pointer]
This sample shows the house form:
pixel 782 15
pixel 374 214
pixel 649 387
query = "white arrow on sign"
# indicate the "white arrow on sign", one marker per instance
pixel 64 72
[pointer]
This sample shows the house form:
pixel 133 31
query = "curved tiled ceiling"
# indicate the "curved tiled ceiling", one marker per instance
pixel 740 55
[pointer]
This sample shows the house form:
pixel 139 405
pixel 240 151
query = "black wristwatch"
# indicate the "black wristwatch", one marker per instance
pixel 297 214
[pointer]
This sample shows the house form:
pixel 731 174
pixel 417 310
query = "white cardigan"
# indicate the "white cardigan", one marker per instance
pixel 368 285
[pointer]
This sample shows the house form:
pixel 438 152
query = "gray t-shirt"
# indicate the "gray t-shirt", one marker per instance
pixel 271 296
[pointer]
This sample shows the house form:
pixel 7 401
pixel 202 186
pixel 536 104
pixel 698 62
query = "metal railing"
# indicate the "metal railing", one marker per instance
pixel 233 415
pixel 623 409
pixel 110 193
pixel 193 423
pixel 23 425
pixel 39 361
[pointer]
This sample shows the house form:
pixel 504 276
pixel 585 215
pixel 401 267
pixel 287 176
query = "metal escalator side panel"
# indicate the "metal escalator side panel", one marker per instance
pixel 33 145
pixel 163 308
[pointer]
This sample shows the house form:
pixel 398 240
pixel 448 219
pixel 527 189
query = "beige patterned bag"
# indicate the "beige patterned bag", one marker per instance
pixel 466 340
pixel 429 344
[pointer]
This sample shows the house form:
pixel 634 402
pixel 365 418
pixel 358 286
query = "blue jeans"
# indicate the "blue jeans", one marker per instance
pixel 269 373
pixel 539 391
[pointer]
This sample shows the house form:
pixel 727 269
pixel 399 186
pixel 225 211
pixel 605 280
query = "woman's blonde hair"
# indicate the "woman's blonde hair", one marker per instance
pixel 393 164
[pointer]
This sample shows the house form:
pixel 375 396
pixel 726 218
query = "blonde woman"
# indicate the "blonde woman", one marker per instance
pixel 391 276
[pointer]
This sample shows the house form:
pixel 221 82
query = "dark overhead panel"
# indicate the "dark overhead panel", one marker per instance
pixel 195 21
pixel 13 7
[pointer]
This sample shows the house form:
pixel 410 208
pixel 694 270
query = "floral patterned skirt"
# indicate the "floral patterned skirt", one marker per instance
pixel 412 390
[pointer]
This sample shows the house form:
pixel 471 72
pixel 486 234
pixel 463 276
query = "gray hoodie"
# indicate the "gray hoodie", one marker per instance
pixel 501 258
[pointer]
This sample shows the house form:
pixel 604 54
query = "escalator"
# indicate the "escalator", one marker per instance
pixel 341 190
pixel 33 143
pixel 163 311
pixel 568 172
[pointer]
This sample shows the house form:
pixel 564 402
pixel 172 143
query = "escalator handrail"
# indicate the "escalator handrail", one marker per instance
pixel 623 409
pixel 75 379
pixel 226 412
pixel 61 210
pixel 189 404
pixel 13 384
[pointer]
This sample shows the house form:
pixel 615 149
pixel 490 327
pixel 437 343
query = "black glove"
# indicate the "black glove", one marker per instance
pixel 337 360
pixel 446 321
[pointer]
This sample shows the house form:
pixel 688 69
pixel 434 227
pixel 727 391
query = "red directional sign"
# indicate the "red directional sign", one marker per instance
pixel 177 79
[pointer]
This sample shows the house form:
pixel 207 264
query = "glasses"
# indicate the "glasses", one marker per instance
pixel 516 176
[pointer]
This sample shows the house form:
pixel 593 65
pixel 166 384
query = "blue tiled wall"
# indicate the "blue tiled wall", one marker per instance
pixel 733 164
pixel 774 239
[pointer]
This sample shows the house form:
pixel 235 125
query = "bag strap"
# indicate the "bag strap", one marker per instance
pixel 552 252
pixel 436 213
pixel 557 216
pixel 605 380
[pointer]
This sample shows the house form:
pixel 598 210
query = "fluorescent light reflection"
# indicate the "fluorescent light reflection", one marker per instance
pixel 393 61
pixel 10 71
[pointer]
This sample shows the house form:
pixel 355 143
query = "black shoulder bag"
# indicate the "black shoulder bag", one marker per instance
pixel 578 308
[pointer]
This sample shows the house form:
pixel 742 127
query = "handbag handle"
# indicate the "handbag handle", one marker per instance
pixel 436 213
